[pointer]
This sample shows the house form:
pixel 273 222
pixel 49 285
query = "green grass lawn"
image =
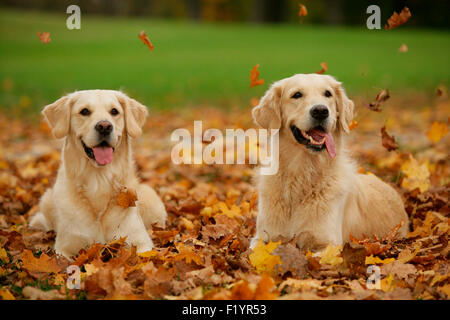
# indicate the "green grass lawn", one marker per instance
pixel 205 63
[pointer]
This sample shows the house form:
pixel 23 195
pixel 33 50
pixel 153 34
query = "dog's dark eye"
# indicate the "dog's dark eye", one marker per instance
pixel 85 112
pixel 114 112
pixel 297 95
pixel 327 94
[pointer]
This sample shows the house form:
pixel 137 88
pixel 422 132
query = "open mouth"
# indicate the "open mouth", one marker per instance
pixel 316 139
pixel 102 153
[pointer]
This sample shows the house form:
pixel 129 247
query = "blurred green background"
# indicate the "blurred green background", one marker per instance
pixel 206 58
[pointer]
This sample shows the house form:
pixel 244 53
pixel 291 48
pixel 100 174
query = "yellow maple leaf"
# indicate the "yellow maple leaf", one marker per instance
pixel 148 254
pixel 406 255
pixel 331 255
pixel 6 295
pixel 376 260
pixel 42 264
pixel 445 289
pixel 3 255
pixel 232 212
pixel 387 284
pixel 425 228
pixel 262 259
pixel 187 253
pixel 90 269
pixel 417 176
pixel 59 280
pixel 437 131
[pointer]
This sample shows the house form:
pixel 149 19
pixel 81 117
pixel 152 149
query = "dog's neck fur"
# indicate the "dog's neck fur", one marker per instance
pixel 88 180
pixel 296 161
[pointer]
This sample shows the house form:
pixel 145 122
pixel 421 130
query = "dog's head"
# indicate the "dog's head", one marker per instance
pixel 96 121
pixel 313 108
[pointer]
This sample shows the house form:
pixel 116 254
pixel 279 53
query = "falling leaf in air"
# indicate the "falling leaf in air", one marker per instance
pixel 353 124
pixel 403 48
pixel 262 259
pixel 437 131
pixel 381 97
pixel 324 68
pixel 303 12
pixel 388 141
pixel 44 37
pixel 42 264
pixel 416 175
pixel 254 77
pixel 127 198
pixel 397 19
pixel 146 40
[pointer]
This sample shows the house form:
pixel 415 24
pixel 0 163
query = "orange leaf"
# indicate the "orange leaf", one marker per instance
pixel 187 253
pixel 254 77
pixel 42 264
pixel 398 19
pixel 241 291
pixel 127 198
pixel 403 48
pixel 264 289
pixel 44 37
pixel 303 12
pixel 388 141
pixel 146 40
pixel 353 124
pixel 437 131
pixel 324 68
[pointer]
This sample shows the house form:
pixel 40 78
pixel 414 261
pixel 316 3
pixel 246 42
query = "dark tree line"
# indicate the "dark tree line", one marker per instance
pixel 431 14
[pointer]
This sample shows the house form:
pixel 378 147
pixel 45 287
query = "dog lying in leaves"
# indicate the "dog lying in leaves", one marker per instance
pixel 97 196
pixel 317 196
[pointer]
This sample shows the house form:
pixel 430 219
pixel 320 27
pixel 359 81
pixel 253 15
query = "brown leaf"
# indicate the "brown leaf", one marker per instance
pixel 292 259
pixel 146 40
pixel 381 97
pixel 354 256
pixel 388 141
pixel 398 19
pixel 127 198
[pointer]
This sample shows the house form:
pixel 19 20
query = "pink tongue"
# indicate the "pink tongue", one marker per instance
pixel 103 155
pixel 329 143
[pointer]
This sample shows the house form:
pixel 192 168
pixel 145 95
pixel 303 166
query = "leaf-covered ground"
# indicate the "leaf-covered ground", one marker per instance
pixel 203 253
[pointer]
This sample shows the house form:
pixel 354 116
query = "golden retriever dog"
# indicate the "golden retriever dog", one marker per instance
pixel 317 196
pixel 96 165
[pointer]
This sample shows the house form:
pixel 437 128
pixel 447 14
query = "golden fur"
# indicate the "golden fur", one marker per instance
pixel 314 197
pixel 81 207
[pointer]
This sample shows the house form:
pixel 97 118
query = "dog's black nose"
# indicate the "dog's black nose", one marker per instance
pixel 319 112
pixel 104 127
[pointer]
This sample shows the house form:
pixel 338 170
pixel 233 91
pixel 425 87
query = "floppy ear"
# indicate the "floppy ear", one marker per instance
pixel 135 115
pixel 345 108
pixel 57 116
pixel 268 113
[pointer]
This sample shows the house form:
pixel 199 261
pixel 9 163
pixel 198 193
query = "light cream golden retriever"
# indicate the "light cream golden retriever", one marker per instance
pixel 96 165
pixel 317 194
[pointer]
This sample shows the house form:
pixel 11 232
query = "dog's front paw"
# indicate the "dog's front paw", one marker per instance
pixel 144 247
